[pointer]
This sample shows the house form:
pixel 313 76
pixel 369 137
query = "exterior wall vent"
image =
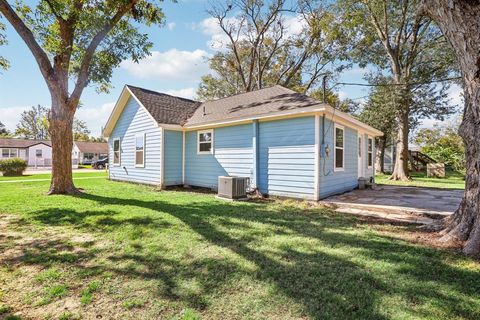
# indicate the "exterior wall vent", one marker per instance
pixel 232 187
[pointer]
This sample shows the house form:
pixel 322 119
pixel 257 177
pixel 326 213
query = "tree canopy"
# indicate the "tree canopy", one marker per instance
pixel 263 48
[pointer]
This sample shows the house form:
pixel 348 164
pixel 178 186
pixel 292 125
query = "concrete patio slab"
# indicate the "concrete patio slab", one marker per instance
pixel 409 204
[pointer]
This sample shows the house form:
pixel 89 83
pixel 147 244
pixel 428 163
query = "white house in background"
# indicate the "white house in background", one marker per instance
pixel 38 153
pixel 88 152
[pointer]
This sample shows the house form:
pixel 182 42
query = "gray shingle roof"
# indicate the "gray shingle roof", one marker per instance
pixel 165 108
pixel 259 102
pixel 21 143
pixel 92 147
pixel 168 109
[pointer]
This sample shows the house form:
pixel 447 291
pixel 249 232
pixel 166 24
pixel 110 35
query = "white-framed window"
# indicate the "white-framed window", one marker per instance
pixel 339 154
pixel 116 151
pixel 370 152
pixel 38 153
pixel 140 150
pixel 9 153
pixel 205 142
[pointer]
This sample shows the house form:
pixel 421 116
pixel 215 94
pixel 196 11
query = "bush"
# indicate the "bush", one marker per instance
pixel 13 166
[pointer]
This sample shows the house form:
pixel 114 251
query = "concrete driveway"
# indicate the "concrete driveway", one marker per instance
pixel 415 204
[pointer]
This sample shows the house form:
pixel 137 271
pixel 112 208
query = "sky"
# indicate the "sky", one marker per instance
pixel 179 58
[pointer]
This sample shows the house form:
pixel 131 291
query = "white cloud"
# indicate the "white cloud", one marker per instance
pixel 455 94
pixel 294 25
pixel 11 116
pixel 188 93
pixel 170 65
pixel 171 25
pixel 95 117
pixel 210 27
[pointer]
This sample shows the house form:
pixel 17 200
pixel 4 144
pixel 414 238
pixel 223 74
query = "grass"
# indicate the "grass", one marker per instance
pixel 453 180
pixel 128 251
pixel 43 176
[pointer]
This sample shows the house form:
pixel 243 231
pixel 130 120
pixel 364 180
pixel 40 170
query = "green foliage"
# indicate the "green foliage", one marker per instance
pixel 3 41
pixel 80 131
pixel 380 108
pixel 263 51
pixel 34 123
pixel 86 296
pixel 3 130
pixel 12 166
pixel 444 144
pixel 346 105
pixel 88 19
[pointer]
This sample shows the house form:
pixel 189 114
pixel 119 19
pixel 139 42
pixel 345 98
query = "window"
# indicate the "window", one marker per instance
pixel 116 151
pixel 38 153
pixel 370 152
pixel 9 153
pixel 140 150
pixel 205 142
pixel 339 148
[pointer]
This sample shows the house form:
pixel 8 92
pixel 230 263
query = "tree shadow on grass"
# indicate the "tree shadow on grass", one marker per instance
pixel 326 283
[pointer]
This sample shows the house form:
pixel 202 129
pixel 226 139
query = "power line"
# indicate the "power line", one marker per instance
pixel 393 84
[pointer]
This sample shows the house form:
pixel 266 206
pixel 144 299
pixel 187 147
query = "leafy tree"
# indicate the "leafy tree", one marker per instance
pixel 79 43
pixel 3 41
pixel 262 51
pixel 392 37
pixel 460 24
pixel 444 144
pixel 344 105
pixel 80 131
pixel 380 113
pixel 33 123
pixel 3 130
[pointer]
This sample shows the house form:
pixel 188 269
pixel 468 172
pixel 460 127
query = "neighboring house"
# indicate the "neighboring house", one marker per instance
pixel 37 153
pixel 287 143
pixel 88 152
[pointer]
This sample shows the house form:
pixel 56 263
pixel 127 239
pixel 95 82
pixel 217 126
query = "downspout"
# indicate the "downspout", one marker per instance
pixel 183 157
pixel 255 165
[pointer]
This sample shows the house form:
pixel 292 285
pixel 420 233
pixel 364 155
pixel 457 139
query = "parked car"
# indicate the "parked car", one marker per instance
pixel 100 164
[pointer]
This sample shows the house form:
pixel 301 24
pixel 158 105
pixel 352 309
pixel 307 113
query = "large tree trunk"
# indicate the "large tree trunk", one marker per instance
pixel 60 128
pixel 382 144
pixel 460 22
pixel 400 170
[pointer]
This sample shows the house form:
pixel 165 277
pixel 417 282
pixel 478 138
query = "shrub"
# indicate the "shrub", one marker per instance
pixel 13 166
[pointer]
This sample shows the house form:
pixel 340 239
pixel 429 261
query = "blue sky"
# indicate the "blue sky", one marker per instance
pixel 179 58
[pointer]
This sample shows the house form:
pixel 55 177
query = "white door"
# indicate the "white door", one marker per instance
pixel 360 156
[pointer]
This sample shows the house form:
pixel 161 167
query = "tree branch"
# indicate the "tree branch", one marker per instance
pixel 29 39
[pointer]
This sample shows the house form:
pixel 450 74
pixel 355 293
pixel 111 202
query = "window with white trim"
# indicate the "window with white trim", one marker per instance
pixel 9 153
pixel 140 150
pixel 116 151
pixel 205 142
pixel 370 152
pixel 339 154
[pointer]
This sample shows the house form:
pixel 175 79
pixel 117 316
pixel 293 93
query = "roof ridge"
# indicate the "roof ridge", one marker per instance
pixel 257 90
pixel 161 93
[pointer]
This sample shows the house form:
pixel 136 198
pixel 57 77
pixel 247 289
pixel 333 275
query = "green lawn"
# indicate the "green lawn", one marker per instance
pixel 453 180
pixel 124 251
pixel 43 176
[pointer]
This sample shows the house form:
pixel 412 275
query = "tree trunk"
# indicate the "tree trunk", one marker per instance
pixel 400 170
pixel 60 128
pixel 382 143
pixel 460 23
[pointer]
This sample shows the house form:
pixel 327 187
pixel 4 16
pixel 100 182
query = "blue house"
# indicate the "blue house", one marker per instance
pixel 287 143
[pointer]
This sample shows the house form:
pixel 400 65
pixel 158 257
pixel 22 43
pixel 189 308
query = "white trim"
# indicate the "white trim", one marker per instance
pixel 162 158
pixel 138 135
pixel 360 154
pixel 368 152
pixel 342 168
pixel 211 142
pixel 119 153
pixel 183 157
pixel 316 181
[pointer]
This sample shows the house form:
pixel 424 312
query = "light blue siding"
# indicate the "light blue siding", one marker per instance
pixel 287 157
pixel 333 182
pixel 232 156
pixel 172 157
pixel 133 120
